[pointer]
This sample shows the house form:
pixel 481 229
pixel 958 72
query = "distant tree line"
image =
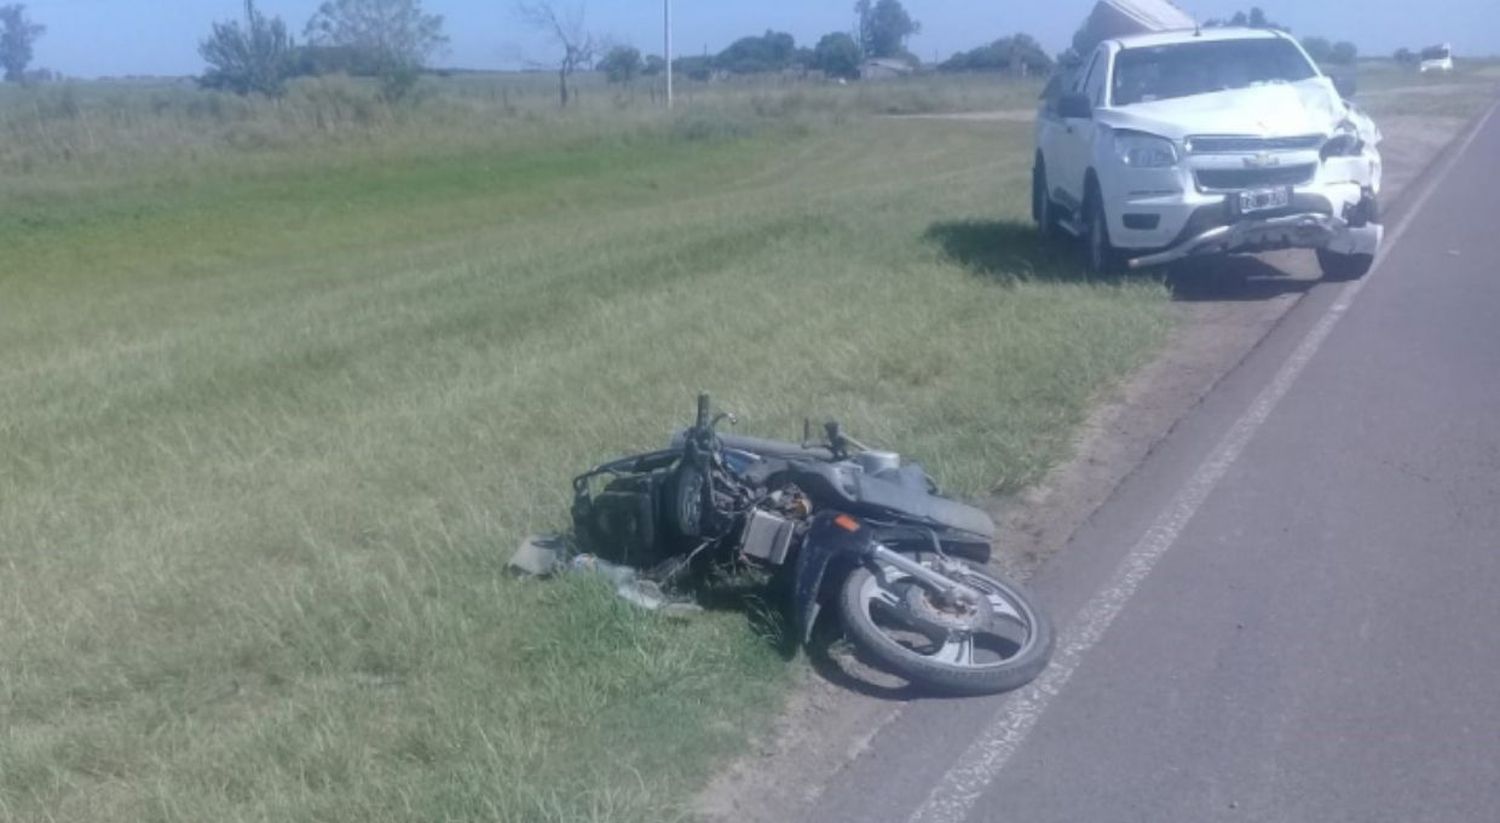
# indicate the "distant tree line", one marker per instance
pixel 393 40
pixel 388 39
pixel 1406 57
pixel 1255 19
pixel 1320 49
pixel 881 31
pixel 1019 53
pixel 882 28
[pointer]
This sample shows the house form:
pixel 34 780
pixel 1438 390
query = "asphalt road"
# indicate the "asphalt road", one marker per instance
pixel 1291 610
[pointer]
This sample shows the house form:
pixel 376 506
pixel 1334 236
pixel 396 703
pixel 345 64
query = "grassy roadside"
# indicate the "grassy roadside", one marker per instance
pixel 272 423
pixel 1386 89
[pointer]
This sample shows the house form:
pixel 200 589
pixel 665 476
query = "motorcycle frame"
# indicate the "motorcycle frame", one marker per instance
pixel 828 542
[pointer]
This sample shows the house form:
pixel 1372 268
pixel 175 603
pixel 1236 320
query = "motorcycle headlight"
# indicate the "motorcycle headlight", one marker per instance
pixel 1145 151
pixel 1345 142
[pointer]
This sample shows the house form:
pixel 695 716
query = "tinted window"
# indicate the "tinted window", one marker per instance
pixel 1185 69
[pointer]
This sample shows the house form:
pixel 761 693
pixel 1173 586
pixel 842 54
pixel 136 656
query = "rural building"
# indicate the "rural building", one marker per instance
pixel 885 68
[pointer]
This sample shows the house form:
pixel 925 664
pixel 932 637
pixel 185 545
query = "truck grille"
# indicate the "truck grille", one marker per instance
pixel 1219 144
pixel 1232 179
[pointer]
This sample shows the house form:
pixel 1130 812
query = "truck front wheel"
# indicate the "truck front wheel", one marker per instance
pixel 1104 258
pixel 1341 268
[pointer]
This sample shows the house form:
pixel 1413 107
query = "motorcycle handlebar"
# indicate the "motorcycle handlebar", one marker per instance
pixel 836 448
pixel 703 411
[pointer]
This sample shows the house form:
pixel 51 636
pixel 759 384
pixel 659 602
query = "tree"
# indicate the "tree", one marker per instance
pixel 622 64
pixel 655 66
pixel 319 60
pixel 773 51
pixel 1405 57
pixel 1256 19
pixel 837 55
pixel 1020 53
pixel 566 29
pixel 18 35
pixel 398 35
pixel 1027 55
pixel 255 57
pixel 1344 53
pixel 1318 48
pixel 884 27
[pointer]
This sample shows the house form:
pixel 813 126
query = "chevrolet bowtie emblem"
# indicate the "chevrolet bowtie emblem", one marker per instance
pixel 1263 160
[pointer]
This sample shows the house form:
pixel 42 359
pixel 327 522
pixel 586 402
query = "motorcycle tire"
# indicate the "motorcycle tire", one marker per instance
pixel 1006 673
pixel 682 513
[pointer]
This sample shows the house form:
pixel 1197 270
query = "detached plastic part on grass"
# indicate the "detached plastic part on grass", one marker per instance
pixel 546 555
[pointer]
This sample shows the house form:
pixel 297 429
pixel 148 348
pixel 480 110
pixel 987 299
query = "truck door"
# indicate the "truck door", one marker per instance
pixel 1075 142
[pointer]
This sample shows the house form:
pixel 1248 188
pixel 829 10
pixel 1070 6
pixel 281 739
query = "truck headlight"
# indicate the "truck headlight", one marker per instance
pixel 1345 142
pixel 1145 151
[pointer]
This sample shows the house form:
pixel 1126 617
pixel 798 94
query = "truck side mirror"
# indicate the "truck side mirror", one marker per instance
pixel 1075 106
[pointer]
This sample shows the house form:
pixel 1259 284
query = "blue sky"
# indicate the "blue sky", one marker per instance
pixel 89 38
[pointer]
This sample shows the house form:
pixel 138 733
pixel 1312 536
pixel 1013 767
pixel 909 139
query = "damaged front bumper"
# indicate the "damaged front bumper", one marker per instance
pixel 1310 230
pixel 1210 202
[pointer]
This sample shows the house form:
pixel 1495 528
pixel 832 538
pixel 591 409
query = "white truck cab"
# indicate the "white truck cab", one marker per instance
pixel 1168 145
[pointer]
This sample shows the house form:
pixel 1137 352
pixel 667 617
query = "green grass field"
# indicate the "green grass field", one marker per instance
pixel 275 409
pixel 274 417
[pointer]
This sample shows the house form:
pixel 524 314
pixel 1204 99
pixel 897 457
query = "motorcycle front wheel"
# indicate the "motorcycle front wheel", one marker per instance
pixel 996 646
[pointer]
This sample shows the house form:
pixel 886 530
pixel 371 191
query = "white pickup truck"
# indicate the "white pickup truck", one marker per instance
pixel 1169 145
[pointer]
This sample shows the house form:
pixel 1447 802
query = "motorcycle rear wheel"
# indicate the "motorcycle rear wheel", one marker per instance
pixel 1009 649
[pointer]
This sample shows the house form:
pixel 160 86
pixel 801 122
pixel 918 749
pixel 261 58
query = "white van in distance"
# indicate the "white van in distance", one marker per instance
pixel 1437 58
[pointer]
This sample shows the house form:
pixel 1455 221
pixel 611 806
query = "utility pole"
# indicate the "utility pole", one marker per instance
pixel 667 14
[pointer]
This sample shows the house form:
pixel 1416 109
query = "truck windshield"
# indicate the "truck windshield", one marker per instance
pixel 1143 75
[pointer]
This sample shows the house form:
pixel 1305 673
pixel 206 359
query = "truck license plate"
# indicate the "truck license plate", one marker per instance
pixel 1256 200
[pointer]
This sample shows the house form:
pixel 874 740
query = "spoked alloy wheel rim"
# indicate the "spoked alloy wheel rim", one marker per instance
pixel 990 634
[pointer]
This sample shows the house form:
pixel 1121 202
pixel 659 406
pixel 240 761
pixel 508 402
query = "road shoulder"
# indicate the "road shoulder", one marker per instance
pixel 1224 312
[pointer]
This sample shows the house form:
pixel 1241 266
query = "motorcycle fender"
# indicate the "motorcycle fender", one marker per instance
pixel 826 544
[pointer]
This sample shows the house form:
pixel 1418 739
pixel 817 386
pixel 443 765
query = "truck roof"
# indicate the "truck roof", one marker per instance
pixel 1208 35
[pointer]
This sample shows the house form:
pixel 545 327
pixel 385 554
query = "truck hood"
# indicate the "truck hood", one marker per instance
pixel 1286 110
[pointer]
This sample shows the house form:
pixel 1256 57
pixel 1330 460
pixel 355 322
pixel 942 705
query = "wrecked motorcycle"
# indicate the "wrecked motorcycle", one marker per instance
pixel 846 524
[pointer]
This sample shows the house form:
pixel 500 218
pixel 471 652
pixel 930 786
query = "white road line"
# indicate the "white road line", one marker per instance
pixel 951 800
